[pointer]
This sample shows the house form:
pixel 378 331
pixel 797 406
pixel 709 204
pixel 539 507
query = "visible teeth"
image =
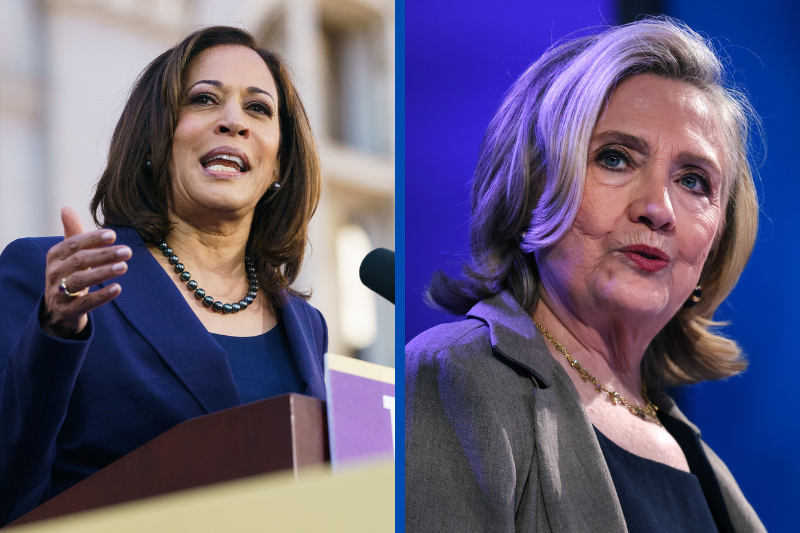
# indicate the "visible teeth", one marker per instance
pixel 238 160
pixel 222 168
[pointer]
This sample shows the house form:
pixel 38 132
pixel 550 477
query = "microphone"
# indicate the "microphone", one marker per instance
pixel 377 272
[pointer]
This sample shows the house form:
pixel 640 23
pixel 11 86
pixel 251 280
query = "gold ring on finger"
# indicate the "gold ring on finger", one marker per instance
pixel 63 288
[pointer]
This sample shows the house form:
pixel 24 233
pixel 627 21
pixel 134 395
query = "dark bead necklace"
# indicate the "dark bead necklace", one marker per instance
pixel 200 294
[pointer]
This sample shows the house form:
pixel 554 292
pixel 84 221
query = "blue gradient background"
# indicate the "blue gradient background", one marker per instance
pixel 461 57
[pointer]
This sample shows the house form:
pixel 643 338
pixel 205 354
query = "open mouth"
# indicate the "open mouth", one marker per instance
pixel 224 163
pixel 225 159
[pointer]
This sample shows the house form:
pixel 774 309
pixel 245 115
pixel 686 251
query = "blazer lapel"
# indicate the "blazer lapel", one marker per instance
pixel 157 310
pixel 513 334
pixel 301 341
pixel 574 480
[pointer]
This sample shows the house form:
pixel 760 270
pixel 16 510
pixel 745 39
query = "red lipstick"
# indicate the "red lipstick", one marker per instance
pixel 646 257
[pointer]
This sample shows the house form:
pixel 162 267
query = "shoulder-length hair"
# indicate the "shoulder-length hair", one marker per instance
pixel 531 171
pixel 130 194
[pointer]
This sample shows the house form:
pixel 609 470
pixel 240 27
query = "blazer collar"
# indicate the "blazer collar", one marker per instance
pixel 575 482
pixel 306 356
pixel 156 308
pixel 667 405
pixel 570 458
pixel 515 337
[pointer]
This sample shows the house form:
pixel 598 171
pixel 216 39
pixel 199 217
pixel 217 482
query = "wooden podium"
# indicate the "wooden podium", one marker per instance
pixel 282 433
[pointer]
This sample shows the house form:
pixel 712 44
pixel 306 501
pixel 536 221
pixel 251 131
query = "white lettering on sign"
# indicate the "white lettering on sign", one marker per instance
pixel 388 403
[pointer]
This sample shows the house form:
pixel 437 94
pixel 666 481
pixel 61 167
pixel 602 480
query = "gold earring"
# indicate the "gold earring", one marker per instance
pixel 696 296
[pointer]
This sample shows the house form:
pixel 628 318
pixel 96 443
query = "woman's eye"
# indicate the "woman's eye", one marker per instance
pixel 261 108
pixel 202 99
pixel 695 183
pixel 614 160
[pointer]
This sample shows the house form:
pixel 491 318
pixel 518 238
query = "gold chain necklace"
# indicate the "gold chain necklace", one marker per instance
pixel 648 413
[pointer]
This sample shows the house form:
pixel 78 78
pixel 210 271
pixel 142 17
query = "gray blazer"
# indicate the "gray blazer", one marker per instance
pixel 497 438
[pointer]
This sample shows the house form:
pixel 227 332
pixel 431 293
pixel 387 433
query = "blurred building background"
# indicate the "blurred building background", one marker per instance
pixel 66 67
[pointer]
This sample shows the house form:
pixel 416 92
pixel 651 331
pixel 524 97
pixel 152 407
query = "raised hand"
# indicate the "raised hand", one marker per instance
pixel 83 260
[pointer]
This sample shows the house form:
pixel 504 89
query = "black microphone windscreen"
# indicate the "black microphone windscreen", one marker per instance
pixel 377 272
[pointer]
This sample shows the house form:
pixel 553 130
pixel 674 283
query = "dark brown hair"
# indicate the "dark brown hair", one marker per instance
pixel 129 194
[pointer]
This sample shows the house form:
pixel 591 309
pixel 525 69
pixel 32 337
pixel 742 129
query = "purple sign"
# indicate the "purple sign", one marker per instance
pixel 360 409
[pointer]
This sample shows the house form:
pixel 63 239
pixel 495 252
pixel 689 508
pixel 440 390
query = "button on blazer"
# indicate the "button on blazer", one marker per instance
pixel 70 407
pixel 497 439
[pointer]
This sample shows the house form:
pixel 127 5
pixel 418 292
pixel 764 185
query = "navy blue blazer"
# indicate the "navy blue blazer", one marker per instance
pixel 70 407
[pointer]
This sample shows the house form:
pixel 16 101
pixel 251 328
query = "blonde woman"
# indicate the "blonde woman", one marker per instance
pixel 613 210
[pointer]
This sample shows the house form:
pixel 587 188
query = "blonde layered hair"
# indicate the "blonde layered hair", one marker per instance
pixel 529 181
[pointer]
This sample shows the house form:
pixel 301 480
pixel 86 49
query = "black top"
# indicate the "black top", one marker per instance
pixel 658 498
pixel 263 365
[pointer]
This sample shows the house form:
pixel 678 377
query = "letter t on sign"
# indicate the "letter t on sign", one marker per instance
pixel 358 394
pixel 388 403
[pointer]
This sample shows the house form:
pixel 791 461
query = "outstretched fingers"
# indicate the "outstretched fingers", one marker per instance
pixel 82 279
pixel 105 263
pixel 81 260
pixel 83 241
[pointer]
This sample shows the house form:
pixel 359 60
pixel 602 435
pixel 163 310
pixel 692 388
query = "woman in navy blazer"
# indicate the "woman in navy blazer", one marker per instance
pixel 213 154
